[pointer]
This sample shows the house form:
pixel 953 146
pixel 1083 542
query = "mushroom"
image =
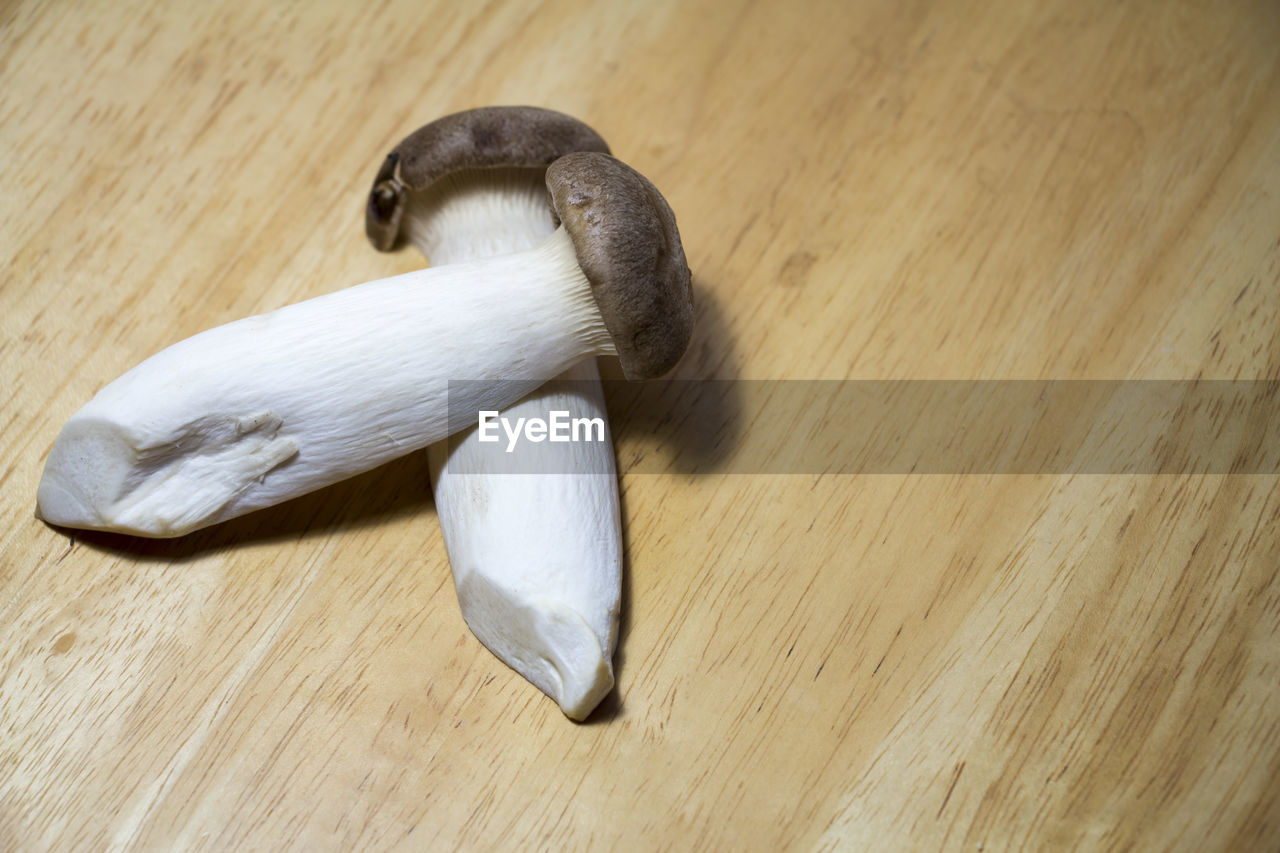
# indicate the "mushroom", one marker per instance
pixel 264 409
pixel 536 557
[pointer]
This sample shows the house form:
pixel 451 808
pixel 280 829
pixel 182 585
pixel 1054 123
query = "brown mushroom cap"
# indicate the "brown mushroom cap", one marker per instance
pixel 488 137
pixel 628 245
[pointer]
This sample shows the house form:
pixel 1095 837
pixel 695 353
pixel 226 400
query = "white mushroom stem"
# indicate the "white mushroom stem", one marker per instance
pixel 264 409
pixel 473 214
pixel 536 558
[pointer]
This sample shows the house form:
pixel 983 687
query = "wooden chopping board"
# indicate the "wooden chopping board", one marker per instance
pixel 867 191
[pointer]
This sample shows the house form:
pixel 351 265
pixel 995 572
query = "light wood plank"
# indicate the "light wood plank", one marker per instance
pixel 871 190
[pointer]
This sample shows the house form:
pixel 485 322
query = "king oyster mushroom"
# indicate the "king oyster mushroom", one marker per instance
pixel 536 557
pixel 264 409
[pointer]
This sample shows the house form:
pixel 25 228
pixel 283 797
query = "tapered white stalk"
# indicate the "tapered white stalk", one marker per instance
pixel 264 409
pixel 536 558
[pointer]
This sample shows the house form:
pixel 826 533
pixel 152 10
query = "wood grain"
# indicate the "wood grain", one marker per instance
pixel 871 190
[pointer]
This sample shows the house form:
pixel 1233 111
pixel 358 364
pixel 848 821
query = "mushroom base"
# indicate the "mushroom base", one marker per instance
pixel 537 558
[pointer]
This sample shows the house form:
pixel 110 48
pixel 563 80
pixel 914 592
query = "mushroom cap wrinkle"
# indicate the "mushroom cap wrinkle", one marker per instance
pixel 625 234
pixel 487 137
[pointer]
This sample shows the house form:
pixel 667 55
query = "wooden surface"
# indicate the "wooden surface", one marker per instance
pixel 878 190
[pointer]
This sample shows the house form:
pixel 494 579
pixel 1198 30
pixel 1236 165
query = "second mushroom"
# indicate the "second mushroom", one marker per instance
pixel 532 530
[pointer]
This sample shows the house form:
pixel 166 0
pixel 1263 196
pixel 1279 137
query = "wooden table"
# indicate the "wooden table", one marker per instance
pixel 867 190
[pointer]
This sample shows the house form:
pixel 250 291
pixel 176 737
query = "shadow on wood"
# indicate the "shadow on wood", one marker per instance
pixel 395 490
